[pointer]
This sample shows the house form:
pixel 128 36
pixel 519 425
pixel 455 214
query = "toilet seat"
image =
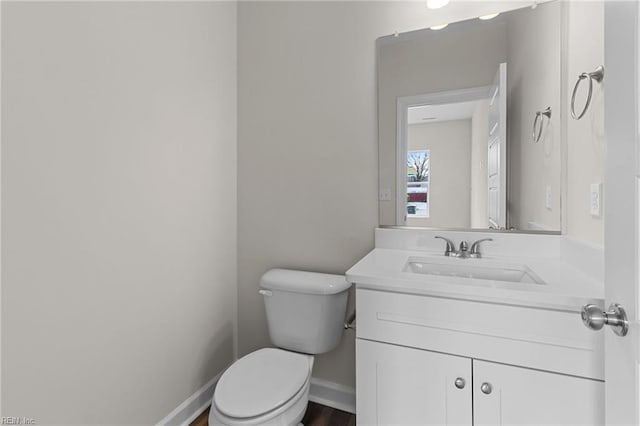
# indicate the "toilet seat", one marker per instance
pixel 261 382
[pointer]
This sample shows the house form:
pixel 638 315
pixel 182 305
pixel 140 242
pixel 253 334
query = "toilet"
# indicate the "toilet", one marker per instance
pixel 270 386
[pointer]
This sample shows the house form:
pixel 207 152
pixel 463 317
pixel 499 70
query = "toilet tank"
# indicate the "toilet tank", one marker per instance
pixel 305 310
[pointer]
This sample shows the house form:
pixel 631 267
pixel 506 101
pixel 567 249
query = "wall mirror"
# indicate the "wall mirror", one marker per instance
pixel 470 123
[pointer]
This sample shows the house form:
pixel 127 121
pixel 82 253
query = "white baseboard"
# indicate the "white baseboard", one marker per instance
pixel 333 395
pixel 190 409
pixel 321 391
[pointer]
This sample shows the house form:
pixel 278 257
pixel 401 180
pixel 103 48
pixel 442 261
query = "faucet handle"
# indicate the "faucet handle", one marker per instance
pixel 450 249
pixel 475 248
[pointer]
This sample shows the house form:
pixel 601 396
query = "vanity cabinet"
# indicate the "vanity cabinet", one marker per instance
pixel 424 360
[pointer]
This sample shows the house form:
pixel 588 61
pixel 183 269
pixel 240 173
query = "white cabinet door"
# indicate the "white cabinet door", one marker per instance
pixel 403 386
pixel 521 396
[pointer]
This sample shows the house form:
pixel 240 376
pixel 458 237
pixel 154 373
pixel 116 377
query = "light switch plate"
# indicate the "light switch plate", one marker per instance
pixel 595 200
pixel 384 195
pixel 547 197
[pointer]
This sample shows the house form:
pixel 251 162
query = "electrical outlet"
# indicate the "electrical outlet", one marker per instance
pixel 595 198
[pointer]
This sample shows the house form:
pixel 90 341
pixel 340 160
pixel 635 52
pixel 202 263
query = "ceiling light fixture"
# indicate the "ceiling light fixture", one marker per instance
pixel 438 27
pixel 490 16
pixel 437 4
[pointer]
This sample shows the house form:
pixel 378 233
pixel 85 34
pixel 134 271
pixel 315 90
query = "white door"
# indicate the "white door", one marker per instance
pixel 497 155
pixel 622 239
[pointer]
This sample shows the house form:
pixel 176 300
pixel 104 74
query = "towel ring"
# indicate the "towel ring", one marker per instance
pixel 538 123
pixel 597 75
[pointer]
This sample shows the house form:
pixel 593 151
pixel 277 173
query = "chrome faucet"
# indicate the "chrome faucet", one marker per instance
pixel 475 248
pixel 463 251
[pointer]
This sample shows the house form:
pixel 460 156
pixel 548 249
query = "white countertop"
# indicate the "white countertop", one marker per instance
pixel 565 287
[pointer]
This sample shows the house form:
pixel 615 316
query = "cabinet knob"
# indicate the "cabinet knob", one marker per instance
pixel 460 382
pixel 486 388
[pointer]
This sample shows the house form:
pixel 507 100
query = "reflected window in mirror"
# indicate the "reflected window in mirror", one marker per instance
pixel 418 165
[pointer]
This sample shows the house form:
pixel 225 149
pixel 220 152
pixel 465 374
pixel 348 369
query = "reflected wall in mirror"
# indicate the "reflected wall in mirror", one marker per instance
pixel 468 95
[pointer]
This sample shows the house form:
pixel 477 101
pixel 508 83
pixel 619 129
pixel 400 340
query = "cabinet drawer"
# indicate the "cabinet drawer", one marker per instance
pixel 535 338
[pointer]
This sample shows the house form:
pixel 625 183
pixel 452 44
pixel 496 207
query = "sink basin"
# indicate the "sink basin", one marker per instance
pixel 462 268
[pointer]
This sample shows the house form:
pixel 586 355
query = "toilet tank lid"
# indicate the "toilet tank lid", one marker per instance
pixel 303 282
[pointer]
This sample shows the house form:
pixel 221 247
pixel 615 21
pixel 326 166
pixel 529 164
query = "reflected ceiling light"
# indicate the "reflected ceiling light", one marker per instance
pixel 490 16
pixel 437 4
pixel 438 27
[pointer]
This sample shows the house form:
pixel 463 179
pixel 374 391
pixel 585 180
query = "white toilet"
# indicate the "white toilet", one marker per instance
pixel 305 315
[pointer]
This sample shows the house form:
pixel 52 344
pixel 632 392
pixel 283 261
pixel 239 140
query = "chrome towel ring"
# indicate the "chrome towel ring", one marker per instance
pixel 597 75
pixel 538 123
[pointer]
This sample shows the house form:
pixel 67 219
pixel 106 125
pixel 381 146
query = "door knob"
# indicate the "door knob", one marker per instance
pixel 594 318
pixel 486 388
pixel 460 382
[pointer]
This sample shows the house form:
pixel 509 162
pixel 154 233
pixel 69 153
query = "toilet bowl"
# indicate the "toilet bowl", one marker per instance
pixel 267 387
pixel 270 386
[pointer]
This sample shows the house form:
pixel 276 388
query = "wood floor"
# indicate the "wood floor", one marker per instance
pixel 316 415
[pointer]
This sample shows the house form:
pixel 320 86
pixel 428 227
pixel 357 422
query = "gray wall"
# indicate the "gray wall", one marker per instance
pixel 118 207
pixel 585 138
pixel 306 199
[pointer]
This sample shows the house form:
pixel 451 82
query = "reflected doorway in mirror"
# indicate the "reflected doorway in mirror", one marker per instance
pixel 441 124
